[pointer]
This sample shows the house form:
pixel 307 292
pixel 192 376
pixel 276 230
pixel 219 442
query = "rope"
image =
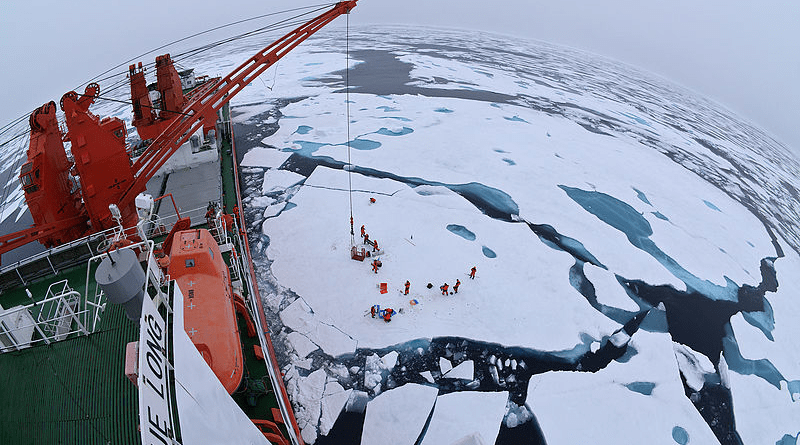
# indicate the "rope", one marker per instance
pixel 347 101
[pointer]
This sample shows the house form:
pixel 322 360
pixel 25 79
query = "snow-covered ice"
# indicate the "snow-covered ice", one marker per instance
pixel 398 416
pixel 693 365
pixel 574 407
pixel 264 157
pixel 461 414
pixel 334 399
pixel 301 344
pixel 464 370
pixel 518 208
pixel 279 180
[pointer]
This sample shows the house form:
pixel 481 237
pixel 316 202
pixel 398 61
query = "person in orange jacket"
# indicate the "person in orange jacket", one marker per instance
pixel 455 287
pixel 363 231
pixel 375 266
pixel 472 272
pixel 366 238
pixel 387 314
pixel 227 221
pixel 375 246
pixel 444 288
pixel 408 284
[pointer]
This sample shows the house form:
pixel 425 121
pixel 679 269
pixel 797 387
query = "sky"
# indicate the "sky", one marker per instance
pixel 743 55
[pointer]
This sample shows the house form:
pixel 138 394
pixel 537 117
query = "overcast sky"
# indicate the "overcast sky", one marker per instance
pixel 742 54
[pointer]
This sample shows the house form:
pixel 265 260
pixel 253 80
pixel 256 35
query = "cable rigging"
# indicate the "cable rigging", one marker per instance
pixel 347 102
pixel 281 24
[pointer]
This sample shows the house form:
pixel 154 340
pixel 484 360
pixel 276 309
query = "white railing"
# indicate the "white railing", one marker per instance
pixel 57 316
pixel 64 311
pixel 161 225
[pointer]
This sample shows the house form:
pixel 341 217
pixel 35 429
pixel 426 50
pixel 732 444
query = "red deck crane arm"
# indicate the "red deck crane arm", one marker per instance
pixel 179 131
pixel 13 240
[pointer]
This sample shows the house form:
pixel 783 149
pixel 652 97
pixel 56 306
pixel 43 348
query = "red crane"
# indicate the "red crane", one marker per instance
pixel 101 160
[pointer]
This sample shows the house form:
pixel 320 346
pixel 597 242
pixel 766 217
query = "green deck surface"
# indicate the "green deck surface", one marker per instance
pixel 73 391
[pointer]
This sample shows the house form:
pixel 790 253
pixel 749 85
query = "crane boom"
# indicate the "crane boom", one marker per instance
pixel 202 103
pixel 194 115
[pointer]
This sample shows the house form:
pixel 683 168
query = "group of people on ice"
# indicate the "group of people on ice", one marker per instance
pixel 444 288
pixel 376 263
pixel 387 313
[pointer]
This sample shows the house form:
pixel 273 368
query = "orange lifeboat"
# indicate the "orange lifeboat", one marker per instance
pixel 196 264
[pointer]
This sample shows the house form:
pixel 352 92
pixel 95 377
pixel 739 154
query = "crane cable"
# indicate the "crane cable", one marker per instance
pixel 347 102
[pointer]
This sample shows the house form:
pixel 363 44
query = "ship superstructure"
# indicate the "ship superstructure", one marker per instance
pixel 141 322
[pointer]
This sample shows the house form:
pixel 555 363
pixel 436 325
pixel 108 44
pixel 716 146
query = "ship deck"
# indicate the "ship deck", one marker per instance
pixel 71 391
pixel 75 390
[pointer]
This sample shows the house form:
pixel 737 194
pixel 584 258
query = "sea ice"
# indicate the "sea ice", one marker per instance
pixel 465 370
pixel 301 344
pixel 693 365
pixel 333 400
pixel 461 414
pixel 397 416
pixel 444 365
pixel 576 407
pixel 278 180
pixel 763 413
pixel 264 157
pixel 306 400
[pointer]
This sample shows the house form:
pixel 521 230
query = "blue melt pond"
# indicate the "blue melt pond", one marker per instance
pixel 787 440
pixel 488 253
pixel 679 435
pixel 386 109
pixel 515 119
pixel 659 215
pixel 443 110
pixel 642 196
pixel 636 118
pixel 387 132
pixel 613 212
pixel 364 144
pixel 461 231
pixel 712 206
pixel 306 147
pixel 509 161
pixel 303 129
pixel 645 388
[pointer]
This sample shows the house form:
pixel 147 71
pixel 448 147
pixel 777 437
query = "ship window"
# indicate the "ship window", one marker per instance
pixel 190 262
pixel 25 175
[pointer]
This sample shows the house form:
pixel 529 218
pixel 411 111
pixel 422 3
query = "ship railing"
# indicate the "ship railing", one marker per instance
pixel 229 240
pixel 162 224
pixel 56 317
pixel 51 261
pixel 60 308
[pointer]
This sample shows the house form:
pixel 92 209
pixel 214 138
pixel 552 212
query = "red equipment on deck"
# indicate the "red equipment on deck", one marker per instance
pixel 98 146
pixel 101 159
pixel 46 181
